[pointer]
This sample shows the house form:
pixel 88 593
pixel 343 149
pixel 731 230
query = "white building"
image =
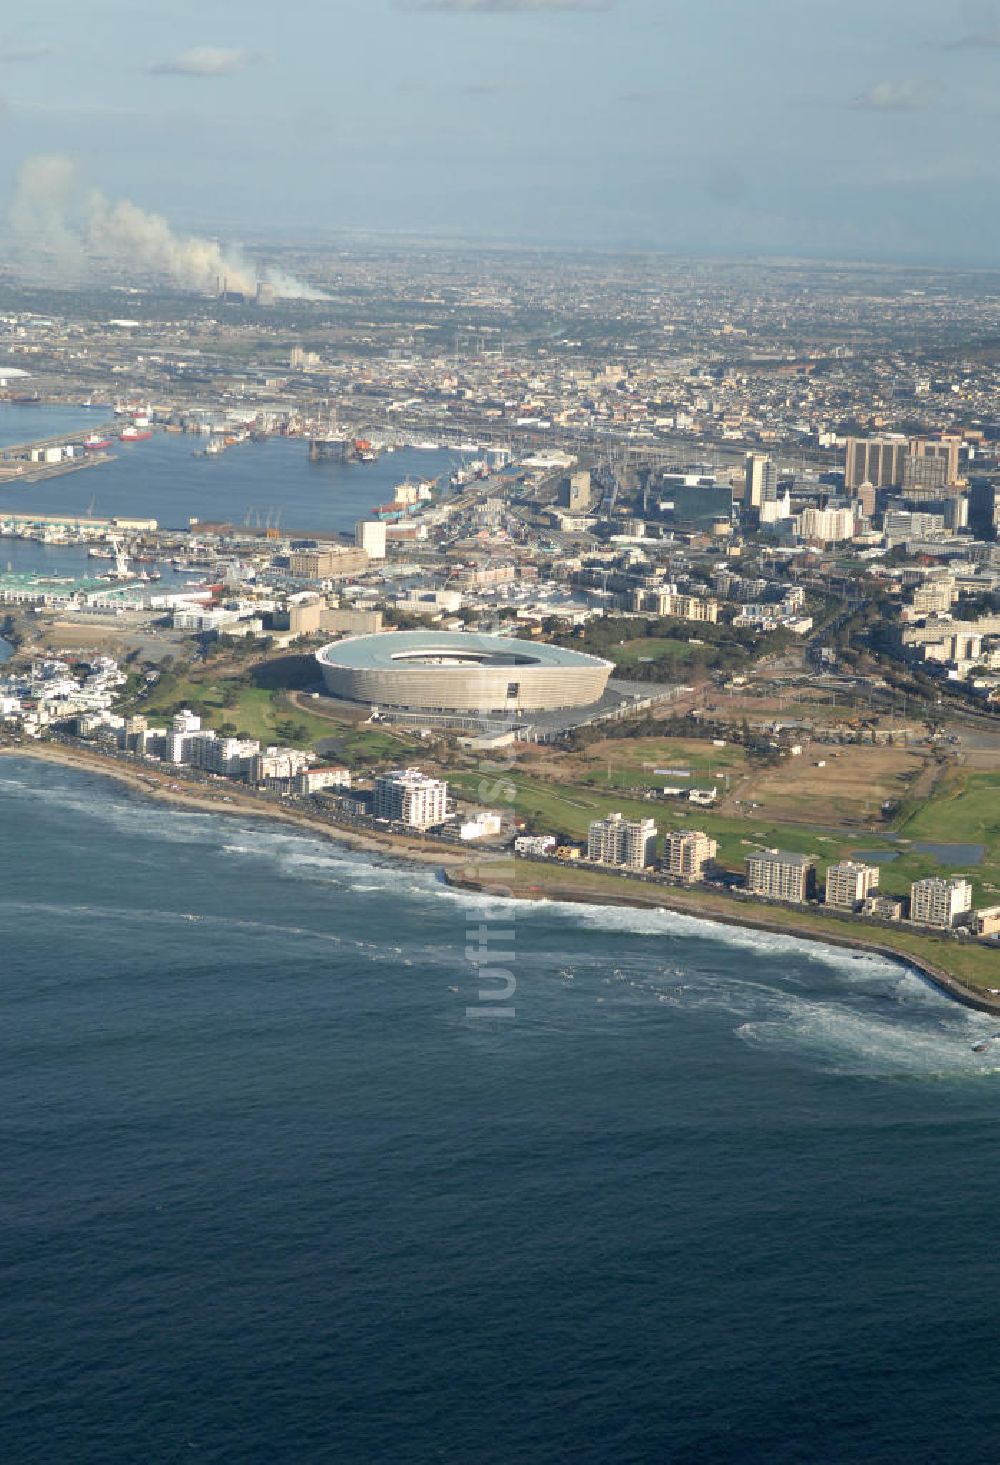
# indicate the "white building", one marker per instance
pixel 826 525
pixel 848 885
pixel 620 841
pixel 778 875
pixel 484 825
pixel 760 480
pixel 687 853
pixel 938 901
pixel 369 534
pixel 184 727
pixel 278 765
pixel 314 780
pixel 407 796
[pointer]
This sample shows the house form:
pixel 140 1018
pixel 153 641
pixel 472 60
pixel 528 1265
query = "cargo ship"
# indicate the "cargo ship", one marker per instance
pixel 94 444
pixel 134 434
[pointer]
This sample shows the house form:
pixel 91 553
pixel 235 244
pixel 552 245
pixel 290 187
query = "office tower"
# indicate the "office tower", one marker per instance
pixel 760 483
pixel 876 460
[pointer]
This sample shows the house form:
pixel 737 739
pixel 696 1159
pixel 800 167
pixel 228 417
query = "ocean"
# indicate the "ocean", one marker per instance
pixel 274 1190
pixel 253 483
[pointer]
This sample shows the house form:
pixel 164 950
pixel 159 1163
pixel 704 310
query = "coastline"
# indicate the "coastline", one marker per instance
pixel 747 918
pixel 165 789
pixel 457 866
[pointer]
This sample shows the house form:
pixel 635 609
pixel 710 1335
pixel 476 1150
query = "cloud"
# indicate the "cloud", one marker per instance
pixel 204 61
pixel 896 96
pixel 504 7
pixel 11 54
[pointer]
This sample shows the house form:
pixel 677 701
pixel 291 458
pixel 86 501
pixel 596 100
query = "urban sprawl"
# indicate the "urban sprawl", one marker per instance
pixel 714 537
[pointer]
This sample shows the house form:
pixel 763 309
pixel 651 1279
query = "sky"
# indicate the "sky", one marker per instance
pixel 825 128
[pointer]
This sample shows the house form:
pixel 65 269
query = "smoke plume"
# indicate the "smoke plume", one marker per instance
pixel 72 232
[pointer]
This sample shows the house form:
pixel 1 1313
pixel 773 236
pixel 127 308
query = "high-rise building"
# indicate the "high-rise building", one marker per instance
pixel 984 508
pixel 876 460
pixel 687 853
pixel 620 841
pixel 826 525
pixel 370 535
pixel 864 498
pixel 760 482
pixel 942 451
pixel 779 875
pixel 956 511
pixel 407 796
pixel 577 491
pixel 925 475
pixel 938 901
pixel 848 885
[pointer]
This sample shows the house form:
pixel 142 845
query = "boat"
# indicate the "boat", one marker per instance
pixel 134 434
pixel 985 1045
pixel 93 443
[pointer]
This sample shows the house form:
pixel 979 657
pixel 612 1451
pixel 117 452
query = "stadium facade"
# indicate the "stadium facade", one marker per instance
pixel 461 672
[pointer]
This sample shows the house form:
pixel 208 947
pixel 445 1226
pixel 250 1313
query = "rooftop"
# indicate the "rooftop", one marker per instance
pixel 448 648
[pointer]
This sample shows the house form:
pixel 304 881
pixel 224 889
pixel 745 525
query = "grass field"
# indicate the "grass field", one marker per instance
pixel 652 648
pixel 823 812
pixel 267 714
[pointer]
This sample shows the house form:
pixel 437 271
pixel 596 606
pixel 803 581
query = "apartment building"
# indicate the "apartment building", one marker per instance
pixel 849 884
pixel 940 901
pixel 407 796
pixel 687 853
pixel 779 875
pixel 620 841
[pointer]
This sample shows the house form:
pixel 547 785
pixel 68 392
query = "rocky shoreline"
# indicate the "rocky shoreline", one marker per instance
pixel 747 918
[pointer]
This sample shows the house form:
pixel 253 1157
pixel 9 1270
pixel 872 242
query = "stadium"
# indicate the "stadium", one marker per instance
pixel 460 672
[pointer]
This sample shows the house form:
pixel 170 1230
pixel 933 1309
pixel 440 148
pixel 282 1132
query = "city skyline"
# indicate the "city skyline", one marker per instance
pixel 622 124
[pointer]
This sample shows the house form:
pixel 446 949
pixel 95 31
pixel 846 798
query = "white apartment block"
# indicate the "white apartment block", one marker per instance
pixel 620 841
pixel 848 885
pixel 778 875
pixel 939 901
pixel 278 765
pixel 687 853
pixel 314 780
pixel 407 796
